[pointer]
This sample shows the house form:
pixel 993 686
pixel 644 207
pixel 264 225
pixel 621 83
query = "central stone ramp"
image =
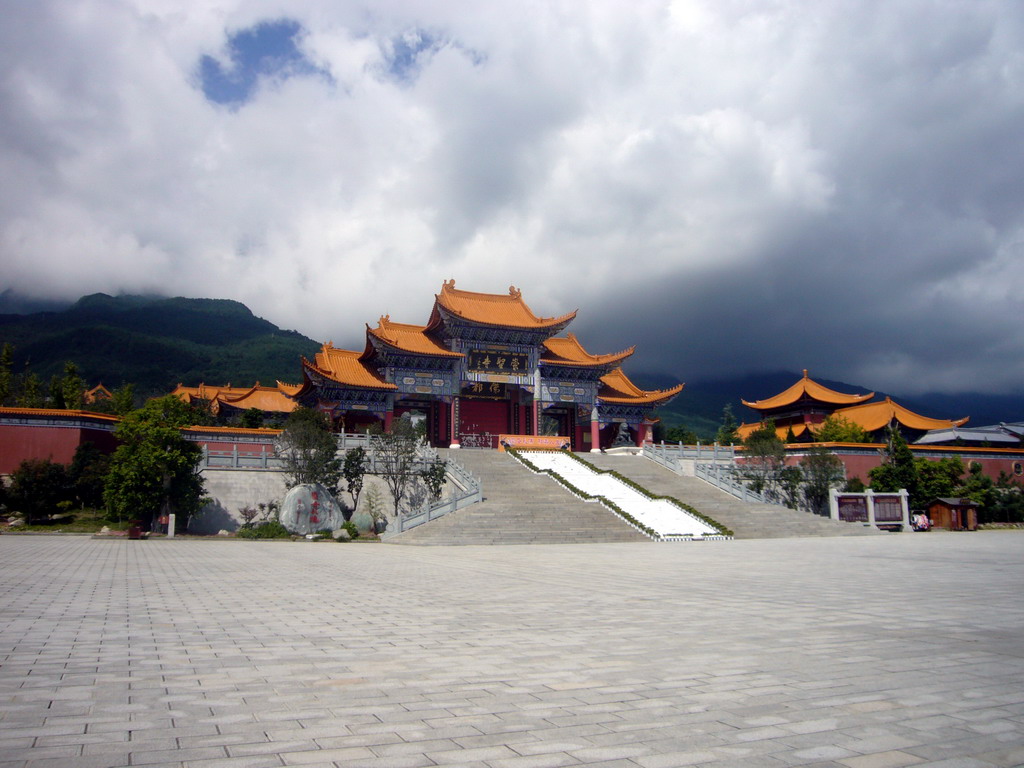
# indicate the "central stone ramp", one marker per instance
pixel 747 521
pixel 519 507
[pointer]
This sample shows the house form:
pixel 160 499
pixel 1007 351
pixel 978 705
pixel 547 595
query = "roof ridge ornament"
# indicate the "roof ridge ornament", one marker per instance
pixel 514 292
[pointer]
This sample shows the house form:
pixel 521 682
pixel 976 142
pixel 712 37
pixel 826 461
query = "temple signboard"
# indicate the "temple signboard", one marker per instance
pixel 493 389
pixel 497 361
pixel 853 509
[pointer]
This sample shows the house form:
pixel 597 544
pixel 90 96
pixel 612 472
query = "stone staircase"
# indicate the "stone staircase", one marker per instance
pixel 747 521
pixel 519 507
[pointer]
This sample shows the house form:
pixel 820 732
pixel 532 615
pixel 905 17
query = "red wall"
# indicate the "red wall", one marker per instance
pixel 21 441
pixel 483 416
pixel 859 462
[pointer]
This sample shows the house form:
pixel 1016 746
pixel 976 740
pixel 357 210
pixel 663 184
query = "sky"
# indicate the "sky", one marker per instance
pixel 733 186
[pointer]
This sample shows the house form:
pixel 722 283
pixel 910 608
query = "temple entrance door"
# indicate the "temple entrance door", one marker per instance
pixel 560 421
pixel 481 421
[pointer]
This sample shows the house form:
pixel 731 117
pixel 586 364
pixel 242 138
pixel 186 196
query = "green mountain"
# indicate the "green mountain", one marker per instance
pixel 156 343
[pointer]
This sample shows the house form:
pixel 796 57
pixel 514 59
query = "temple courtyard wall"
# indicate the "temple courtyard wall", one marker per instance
pixel 867 652
pixel 232 489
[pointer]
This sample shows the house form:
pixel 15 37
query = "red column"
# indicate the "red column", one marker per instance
pixel 595 431
pixel 454 425
pixel 388 417
pixel 641 434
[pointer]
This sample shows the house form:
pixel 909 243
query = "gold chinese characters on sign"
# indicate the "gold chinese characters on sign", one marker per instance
pixel 498 361
pixel 486 389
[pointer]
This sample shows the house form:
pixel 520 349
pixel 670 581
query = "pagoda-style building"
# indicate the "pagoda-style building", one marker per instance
pixel 231 401
pixel 802 408
pixel 483 365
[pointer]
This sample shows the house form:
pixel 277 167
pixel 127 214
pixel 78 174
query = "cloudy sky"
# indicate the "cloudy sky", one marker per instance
pixel 731 185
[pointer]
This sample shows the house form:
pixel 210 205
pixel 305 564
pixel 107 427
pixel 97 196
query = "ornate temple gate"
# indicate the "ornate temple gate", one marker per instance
pixel 481 420
pixel 483 365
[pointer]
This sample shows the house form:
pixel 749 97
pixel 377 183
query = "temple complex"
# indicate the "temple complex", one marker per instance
pixel 802 408
pixel 483 365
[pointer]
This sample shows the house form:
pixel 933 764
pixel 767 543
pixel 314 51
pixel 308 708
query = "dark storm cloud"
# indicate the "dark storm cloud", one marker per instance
pixel 730 186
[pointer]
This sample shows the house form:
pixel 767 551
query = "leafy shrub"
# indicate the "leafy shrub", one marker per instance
pixel 269 530
pixel 37 488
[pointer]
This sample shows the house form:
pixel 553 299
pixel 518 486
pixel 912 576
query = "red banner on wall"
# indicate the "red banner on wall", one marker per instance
pixel 533 442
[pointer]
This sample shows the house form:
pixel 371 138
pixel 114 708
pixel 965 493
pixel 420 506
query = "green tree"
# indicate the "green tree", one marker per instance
pixel 1008 501
pixel 310 450
pixel 121 402
pixel 353 471
pixel 854 485
pixel 72 387
pixel 54 394
pixel 978 487
pixel 122 399
pixel 681 434
pixel 897 470
pixel 434 477
pixel 38 487
pixel 251 418
pixel 764 456
pixel 155 470
pixel 88 474
pixel 790 481
pixel 822 470
pixel 728 433
pixel 936 479
pixel 837 429
pixel 395 455
pixel 6 377
pixel 30 394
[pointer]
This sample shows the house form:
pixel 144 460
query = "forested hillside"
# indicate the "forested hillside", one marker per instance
pixel 156 343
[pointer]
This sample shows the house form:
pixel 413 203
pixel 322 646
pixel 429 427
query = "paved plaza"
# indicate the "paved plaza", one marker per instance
pixel 873 652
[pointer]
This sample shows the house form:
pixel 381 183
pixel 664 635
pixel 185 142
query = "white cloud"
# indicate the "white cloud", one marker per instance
pixel 783 180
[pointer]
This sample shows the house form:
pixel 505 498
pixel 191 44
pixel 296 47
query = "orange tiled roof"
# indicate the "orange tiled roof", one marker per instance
pixel 874 416
pixel 409 338
pixel 198 429
pixel 807 387
pixel 345 367
pixel 617 388
pixel 289 389
pixel 99 392
pixel 870 417
pixel 263 398
pixel 567 350
pixel 12 411
pixel 744 430
pixel 492 309
pixel 207 392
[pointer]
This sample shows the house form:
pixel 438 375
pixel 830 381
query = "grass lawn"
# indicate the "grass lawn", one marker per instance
pixel 76 521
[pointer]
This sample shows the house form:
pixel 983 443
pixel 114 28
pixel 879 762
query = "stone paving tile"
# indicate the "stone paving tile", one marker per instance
pixel 751 653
